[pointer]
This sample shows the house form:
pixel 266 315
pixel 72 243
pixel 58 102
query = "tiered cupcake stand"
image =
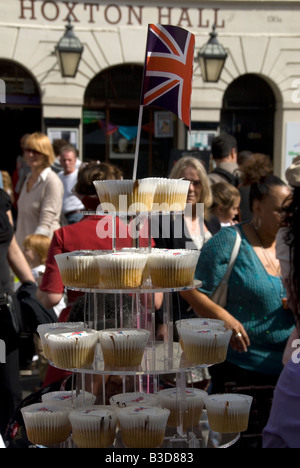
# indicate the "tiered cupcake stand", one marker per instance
pixel 161 358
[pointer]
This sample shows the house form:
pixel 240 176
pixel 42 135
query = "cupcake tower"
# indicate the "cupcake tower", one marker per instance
pixel 142 418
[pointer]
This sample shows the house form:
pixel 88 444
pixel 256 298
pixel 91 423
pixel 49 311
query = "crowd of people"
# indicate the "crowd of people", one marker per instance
pixel 52 190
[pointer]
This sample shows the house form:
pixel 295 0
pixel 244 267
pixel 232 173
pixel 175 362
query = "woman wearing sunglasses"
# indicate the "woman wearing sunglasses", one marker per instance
pixel 40 200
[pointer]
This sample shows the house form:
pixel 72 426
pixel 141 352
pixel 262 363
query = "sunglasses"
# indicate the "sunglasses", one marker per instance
pixel 33 151
pixel 196 183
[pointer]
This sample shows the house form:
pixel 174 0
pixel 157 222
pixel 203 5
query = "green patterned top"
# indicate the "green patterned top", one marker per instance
pixel 254 298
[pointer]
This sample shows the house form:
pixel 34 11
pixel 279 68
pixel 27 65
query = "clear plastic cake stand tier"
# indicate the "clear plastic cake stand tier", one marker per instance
pixel 144 289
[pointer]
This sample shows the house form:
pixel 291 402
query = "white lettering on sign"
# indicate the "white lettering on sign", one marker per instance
pixel 114 14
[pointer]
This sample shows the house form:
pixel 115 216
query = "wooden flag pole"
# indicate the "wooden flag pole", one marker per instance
pixel 138 139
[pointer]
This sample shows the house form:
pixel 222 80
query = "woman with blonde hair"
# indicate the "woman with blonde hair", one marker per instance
pixel 188 231
pixel 40 200
pixel 191 168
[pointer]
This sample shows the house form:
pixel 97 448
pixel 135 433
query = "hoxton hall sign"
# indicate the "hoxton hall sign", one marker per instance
pixel 115 15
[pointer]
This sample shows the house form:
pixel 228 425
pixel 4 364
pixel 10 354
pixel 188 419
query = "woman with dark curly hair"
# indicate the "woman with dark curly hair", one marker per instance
pixel 256 163
pixel 255 309
pixel 282 430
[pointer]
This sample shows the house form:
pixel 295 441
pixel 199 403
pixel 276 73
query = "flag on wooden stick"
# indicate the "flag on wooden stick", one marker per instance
pixel 168 74
pixel 168 70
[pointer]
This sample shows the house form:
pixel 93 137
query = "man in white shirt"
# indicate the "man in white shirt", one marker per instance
pixel 72 206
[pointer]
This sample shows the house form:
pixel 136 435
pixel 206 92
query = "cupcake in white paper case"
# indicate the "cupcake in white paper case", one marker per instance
pixel 57 327
pixel 171 195
pixel 187 410
pixel 69 399
pixel 132 195
pixel 123 347
pixel 122 400
pixel 205 346
pixel 143 426
pixel 122 270
pixel 102 192
pixel 172 268
pixel 93 426
pixel 73 349
pixel 199 323
pixel 228 412
pixel 46 423
pixel 80 269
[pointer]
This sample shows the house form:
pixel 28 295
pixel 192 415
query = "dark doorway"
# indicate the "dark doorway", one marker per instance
pixel 248 114
pixel 110 120
pixel 20 114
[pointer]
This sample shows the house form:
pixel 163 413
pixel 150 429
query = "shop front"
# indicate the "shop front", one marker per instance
pixel 256 98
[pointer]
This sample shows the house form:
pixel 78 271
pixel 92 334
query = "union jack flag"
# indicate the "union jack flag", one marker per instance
pixel 168 70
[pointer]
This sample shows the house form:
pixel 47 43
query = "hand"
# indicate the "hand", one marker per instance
pixel 239 339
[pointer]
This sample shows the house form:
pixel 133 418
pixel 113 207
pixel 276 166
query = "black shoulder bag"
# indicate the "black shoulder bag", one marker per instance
pixel 21 313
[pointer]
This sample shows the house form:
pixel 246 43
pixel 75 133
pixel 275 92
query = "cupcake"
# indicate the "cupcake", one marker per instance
pixel 143 426
pixel 172 268
pixel 171 195
pixel 130 196
pixel 122 270
pixel 93 426
pixel 80 269
pixel 69 399
pixel 46 423
pixel 190 408
pixel 58 327
pixel 123 347
pixel 205 346
pixel 102 192
pixel 73 349
pixel 122 400
pixel 228 412
pixel 199 323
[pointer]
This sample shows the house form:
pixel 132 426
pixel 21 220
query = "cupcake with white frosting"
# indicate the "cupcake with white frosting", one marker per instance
pixel 132 196
pixel 143 426
pixel 172 268
pixel 228 412
pixel 58 327
pixel 46 423
pixel 122 270
pixel 122 400
pixel 185 409
pixel 80 269
pixel 171 195
pixel 123 347
pixel 205 346
pixel 93 426
pixel 73 349
pixel 69 399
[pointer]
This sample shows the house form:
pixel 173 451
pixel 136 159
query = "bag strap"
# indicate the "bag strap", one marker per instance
pixel 234 254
